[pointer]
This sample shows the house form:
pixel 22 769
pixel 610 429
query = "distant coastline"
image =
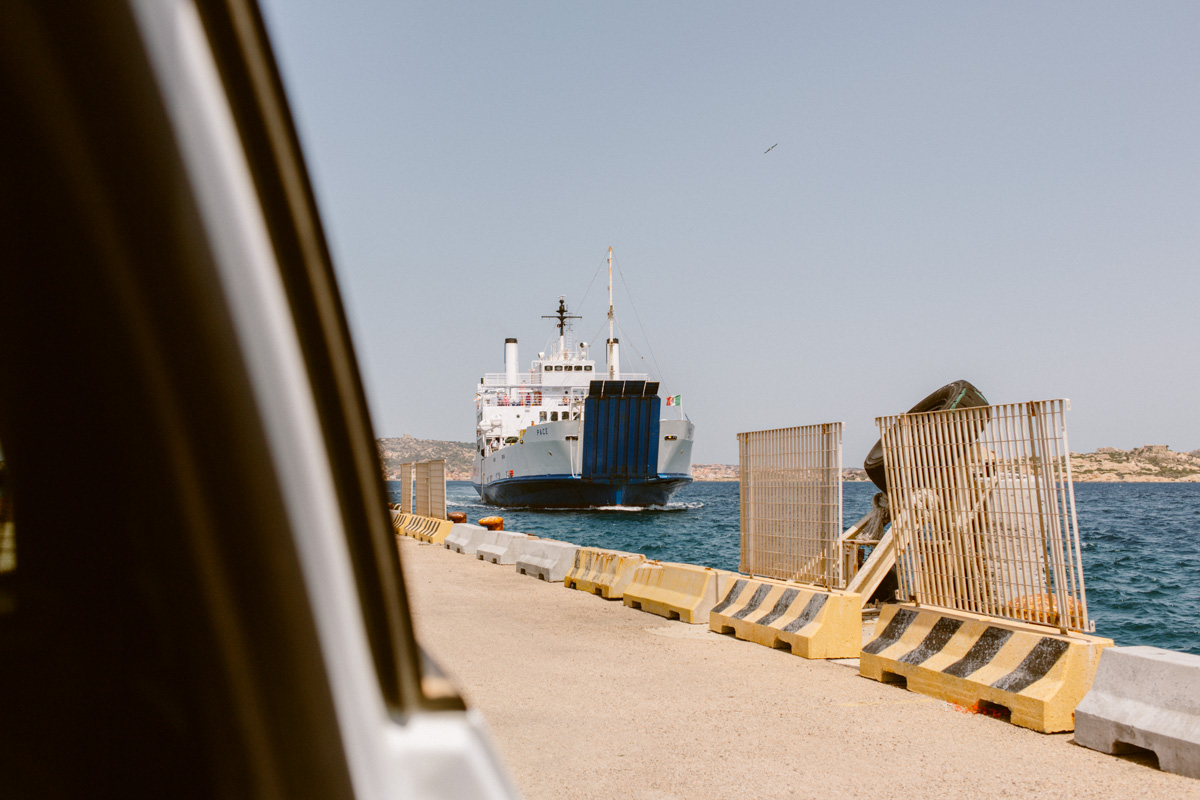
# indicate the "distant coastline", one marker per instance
pixel 1152 463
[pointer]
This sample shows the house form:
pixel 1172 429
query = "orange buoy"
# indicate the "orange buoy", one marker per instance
pixel 493 523
pixel 457 516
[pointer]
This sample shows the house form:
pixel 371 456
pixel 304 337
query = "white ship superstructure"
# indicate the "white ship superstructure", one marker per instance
pixel 564 433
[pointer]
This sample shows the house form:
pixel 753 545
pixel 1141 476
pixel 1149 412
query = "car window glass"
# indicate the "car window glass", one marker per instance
pixel 8 534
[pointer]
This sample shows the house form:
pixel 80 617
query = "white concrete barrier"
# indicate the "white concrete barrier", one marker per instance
pixel 547 559
pixel 507 547
pixel 1148 698
pixel 466 538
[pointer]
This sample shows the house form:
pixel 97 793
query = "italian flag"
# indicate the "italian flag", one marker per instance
pixel 674 401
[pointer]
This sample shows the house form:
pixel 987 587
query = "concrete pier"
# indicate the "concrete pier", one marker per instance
pixel 587 698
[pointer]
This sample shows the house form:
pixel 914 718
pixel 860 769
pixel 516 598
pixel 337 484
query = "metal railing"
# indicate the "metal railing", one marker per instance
pixel 406 488
pixel 437 488
pixel 421 490
pixel 983 510
pixel 542 396
pixel 429 498
pixel 791 503
pixel 499 380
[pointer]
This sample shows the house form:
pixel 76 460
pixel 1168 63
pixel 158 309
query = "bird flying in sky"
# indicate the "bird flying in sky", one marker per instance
pixel 769 149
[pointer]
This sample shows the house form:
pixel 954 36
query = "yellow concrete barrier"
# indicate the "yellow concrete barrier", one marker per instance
pixel 425 529
pixel 411 521
pixel 400 523
pixel 810 621
pixel 1032 675
pixel 441 529
pixel 430 530
pixel 676 591
pixel 606 573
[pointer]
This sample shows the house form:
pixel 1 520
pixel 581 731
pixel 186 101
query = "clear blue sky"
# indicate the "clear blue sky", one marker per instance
pixel 1007 193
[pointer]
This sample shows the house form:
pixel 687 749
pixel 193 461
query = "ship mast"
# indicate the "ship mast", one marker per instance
pixel 613 355
pixel 562 316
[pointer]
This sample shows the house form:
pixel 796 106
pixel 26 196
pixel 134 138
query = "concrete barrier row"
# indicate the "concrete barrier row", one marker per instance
pixel 504 549
pixel 606 573
pixel 546 559
pixel 465 538
pixel 1020 671
pixel 425 529
pixel 1145 698
pixel 400 522
pixel 810 621
pixel 1034 678
pixel 684 592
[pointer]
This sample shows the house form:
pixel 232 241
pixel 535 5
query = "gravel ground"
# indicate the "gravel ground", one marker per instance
pixel 589 699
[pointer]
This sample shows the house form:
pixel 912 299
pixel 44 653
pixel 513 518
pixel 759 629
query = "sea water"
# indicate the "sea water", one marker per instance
pixel 1140 544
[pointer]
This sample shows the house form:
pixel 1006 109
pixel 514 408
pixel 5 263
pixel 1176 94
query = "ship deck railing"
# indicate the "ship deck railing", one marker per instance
pixel 499 380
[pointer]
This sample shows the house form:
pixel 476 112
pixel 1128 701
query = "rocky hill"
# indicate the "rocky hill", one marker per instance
pixel 394 452
pixel 729 472
pixel 1152 463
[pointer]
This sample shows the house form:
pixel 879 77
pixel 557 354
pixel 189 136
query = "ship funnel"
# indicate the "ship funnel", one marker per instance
pixel 614 360
pixel 510 361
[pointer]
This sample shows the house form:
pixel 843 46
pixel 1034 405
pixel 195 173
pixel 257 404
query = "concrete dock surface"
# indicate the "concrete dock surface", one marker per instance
pixel 589 699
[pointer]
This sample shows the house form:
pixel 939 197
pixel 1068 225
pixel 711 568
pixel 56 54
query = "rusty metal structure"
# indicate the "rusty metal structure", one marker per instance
pixel 429 494
pixel 791 503
pixel 406 488
pixel 983 511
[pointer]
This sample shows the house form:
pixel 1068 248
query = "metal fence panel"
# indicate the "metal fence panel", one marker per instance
pixel 437 489
pixel 983 509
pixel 421 501
pixel 406 488
pixel 791 503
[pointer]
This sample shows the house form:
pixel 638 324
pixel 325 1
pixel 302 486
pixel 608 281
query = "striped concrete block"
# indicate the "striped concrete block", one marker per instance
pixel 506 549
pixel 606 573
pixel 1147 698
pixel 1030 674
pixel 433 531
pixel 406 525
pixel 684 592
pixel 465 538
pixel 810 621
pixel 546 559
pixel 400 522
pixel 425 529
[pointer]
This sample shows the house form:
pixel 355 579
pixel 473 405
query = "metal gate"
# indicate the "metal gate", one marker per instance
pixel 406 488
pixel 421 499
pixel 791 503
pixel 983 510
pixel 437 488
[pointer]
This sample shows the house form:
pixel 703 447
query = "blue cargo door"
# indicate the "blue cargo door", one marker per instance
pixel 620 438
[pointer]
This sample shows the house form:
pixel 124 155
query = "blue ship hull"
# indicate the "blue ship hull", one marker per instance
pixel 565 491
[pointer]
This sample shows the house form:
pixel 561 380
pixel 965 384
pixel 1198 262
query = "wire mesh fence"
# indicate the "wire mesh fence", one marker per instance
pixel 983 509
pixel 406 488
pixel 421 489
pixel 791 503
pixel 437 488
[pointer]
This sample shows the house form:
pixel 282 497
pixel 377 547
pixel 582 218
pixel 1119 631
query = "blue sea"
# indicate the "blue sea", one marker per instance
pixel 1140 541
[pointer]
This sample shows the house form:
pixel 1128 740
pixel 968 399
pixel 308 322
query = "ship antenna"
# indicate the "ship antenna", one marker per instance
pixel 611 376
pixel 562 316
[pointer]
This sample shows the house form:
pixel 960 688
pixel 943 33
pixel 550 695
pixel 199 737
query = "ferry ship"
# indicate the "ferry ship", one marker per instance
pixel 565 434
